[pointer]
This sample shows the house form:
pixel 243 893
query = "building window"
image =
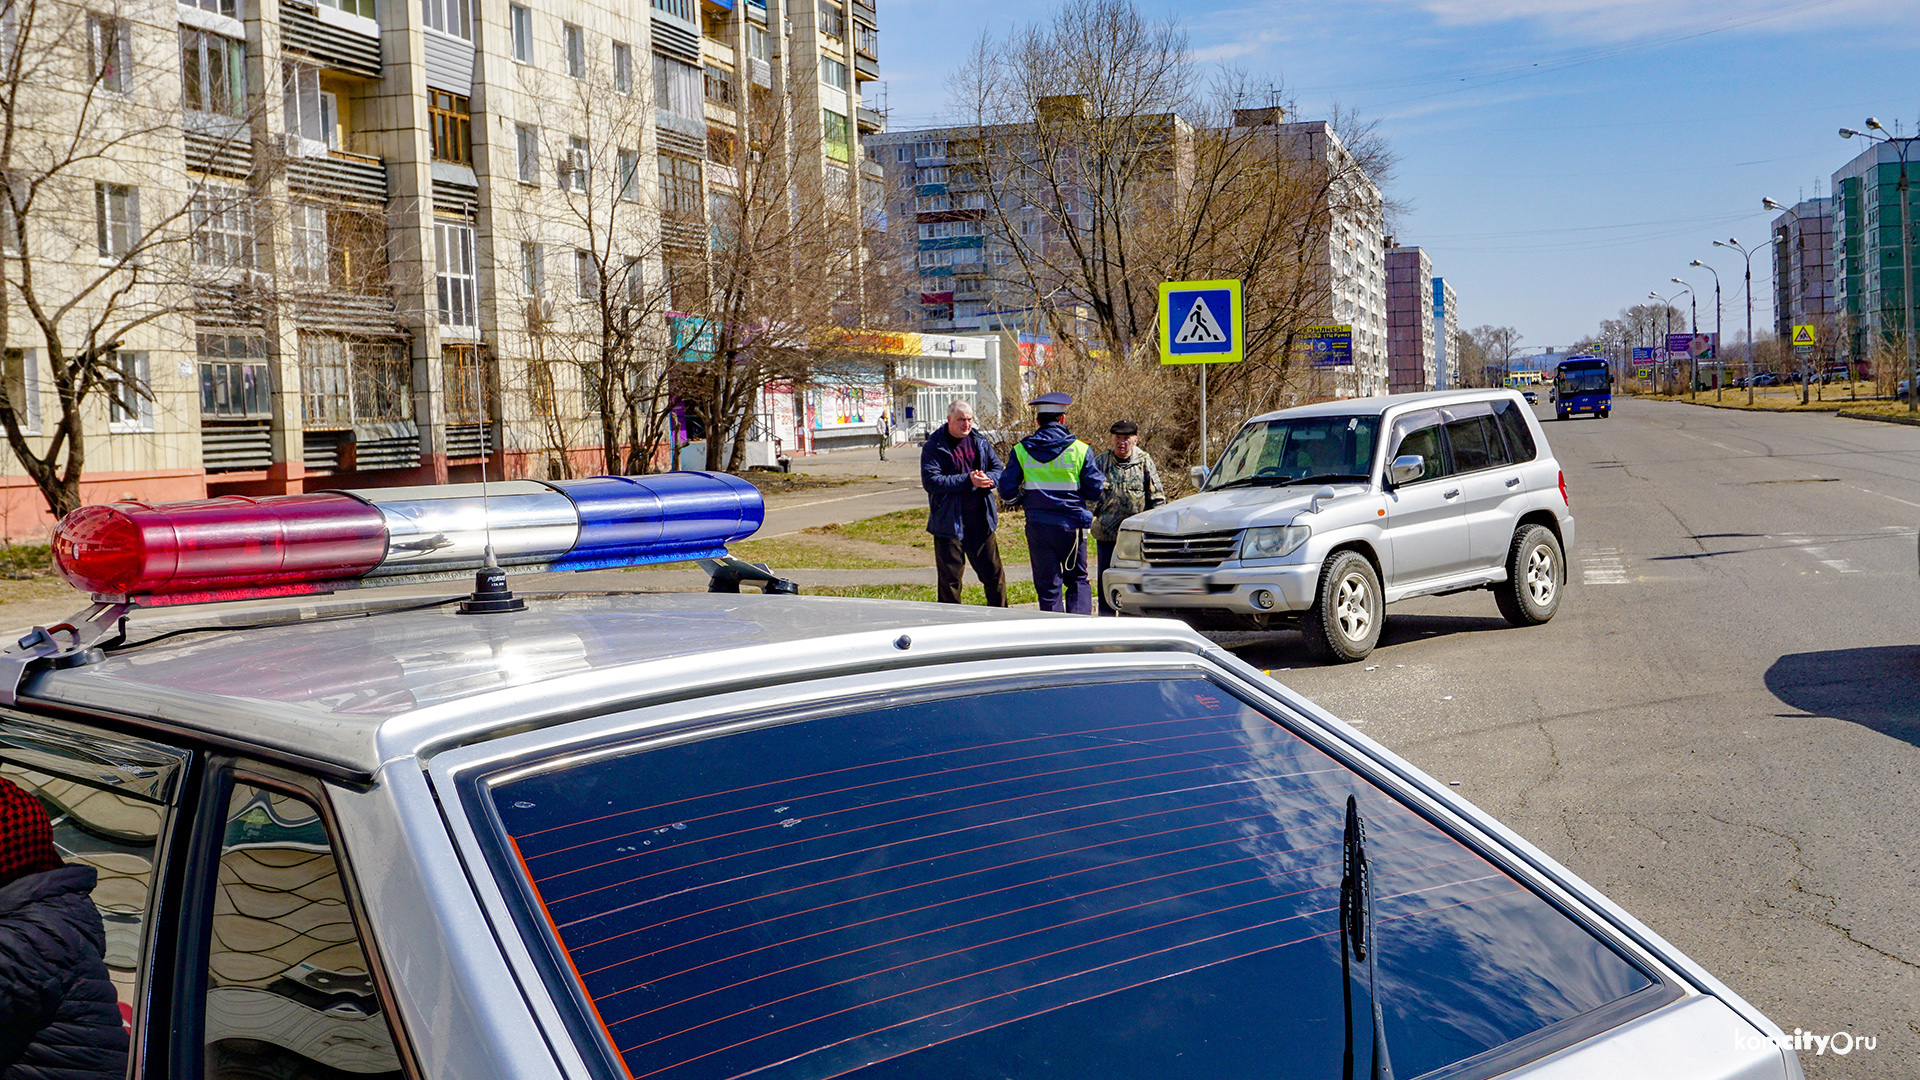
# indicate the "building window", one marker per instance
pixel 759 43
pixel 682 9
pixel 833 21
pixel 578 167
pixel 576 43
pixel 676 87
pixel 309 224
pixel 522 20
pixel 463 383
pixel 456 277
pixel 117 219
pixel 110 53
pixel 833 73
pixel 719 85
pixel 902 154
pixel 526 140
pixel 586 275
pixel 622 68
pixel 311 113
pixel 213 73
pixel 452 121
pixel 450 17
pixel 837 135
pixel 129 398
pixel 362 8
pixel 234 382
pixel 221 221
pixel 343 381
pixel 679 187
pixel 866 41
pixel 23 388
pixel 721 145
pixel 636 279
pixel 630 175
pixel 533 269
pixel 218 7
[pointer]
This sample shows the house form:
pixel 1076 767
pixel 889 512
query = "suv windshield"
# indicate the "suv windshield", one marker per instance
pixel 1304 448
pixel 1138 877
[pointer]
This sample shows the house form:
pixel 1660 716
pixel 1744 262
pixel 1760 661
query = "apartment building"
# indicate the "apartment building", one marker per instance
pixel 1410 321
pixel 1867 256
pixel 382 222
pixel 1446 334
pixel 1803 291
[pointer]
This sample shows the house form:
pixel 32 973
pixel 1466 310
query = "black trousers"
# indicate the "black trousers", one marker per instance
pixel 950 559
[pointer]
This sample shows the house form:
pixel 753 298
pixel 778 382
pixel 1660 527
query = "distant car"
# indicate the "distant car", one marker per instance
pixel 1837 373
pixel 1766 378
pixel 1532 398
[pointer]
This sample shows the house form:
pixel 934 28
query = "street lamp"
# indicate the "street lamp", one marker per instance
pixel 1906 248
pixel 1693 329
pixel 1735 245
pixel 1720 368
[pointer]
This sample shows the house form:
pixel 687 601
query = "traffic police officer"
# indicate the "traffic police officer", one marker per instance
pixel 1053 476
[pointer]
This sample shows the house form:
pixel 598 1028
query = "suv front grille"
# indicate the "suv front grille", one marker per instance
pixel 1194 549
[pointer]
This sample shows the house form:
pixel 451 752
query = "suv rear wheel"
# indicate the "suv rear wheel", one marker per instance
pixel 1344 622
pixel 1536 571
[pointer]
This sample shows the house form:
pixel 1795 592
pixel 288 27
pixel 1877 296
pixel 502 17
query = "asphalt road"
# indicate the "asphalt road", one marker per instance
pixel 1721 728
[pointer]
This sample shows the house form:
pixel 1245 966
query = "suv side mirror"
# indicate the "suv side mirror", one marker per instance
pixel 1198 474
pixel 1406 469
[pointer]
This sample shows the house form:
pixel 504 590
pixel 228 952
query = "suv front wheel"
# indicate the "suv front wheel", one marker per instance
pixel 1536 571
pixel 1344 622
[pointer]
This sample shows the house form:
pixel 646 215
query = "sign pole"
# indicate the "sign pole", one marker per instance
pixel 1205 458
pixel 1201 322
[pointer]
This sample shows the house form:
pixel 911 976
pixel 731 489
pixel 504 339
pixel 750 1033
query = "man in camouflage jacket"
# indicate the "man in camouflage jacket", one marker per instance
pixel 1133 486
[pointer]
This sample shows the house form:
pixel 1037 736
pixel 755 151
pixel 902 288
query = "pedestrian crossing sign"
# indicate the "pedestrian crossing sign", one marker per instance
pixel 1803 334
pixel 1200 322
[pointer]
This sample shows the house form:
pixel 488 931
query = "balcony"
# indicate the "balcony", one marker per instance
pixel 236 447
pixel 339 175
pixel 331 38
pixel 870 120
pixel 865 67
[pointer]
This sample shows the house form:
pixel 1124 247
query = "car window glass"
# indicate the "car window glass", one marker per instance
pixel 1425 444
pixel 1139 877
pixel 1519 438
pixel 1476 445
pixel 1290 449
pixel 108 799
pixel 289 992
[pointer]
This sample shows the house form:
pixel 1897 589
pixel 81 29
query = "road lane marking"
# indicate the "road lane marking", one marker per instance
pixel 1883 495
pixel 1603 567
pixel 1818 552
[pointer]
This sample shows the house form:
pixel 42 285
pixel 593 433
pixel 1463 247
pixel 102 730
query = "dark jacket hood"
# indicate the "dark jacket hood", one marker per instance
pixel 34 888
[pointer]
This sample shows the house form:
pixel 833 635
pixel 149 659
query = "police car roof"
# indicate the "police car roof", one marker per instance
pixel 1379 406
pixel 344 695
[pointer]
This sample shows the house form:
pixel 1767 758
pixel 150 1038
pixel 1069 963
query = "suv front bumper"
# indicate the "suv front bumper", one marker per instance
pixel 1228 588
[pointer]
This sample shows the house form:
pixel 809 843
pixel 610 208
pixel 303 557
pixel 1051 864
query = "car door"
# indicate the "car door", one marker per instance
pixel 1490 485
pixel 1425 524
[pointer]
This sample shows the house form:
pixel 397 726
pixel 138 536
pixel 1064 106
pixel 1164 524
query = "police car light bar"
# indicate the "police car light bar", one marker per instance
pixel 236 547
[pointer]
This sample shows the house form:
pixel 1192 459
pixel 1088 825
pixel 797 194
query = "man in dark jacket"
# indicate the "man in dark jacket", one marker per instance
pixel 59 1013
pixel 1054 477
pixel 959 468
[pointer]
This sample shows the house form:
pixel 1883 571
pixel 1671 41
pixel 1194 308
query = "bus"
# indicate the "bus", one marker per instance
pixel 1583 384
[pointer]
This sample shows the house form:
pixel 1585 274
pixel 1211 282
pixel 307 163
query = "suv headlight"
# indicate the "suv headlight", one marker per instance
pixel 1273 543
pixel 1126 547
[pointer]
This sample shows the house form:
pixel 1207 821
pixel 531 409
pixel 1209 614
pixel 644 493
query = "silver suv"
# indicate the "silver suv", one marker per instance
pixel 1324 514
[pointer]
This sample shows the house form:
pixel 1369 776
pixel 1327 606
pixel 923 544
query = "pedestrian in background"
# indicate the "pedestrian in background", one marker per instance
pixel 59 1011
pixel 959 470
pixel 1053 476
pixel 1133 486
pixel 885 427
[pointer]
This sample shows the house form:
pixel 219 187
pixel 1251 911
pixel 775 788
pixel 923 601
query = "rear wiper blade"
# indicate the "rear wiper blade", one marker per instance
pixel 1356 940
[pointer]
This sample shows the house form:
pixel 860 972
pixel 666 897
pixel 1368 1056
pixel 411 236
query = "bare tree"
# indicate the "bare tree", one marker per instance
pixel 1495 347
pixel 99 214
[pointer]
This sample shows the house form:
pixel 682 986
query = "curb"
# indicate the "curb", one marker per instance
pixel 1850 415
pixel 1836 409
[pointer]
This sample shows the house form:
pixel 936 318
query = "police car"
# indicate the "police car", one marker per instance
pixel 695 836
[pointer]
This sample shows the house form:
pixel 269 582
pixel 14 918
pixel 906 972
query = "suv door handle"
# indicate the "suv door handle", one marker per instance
pixel 1454 494
pixel 1513 481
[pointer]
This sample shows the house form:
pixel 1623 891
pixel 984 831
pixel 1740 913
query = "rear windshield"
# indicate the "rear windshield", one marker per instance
pixel 1116 879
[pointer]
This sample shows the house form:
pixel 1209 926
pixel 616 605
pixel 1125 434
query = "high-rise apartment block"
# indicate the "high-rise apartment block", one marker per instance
pixel 381 209
pixel 1446 334
pixel 1410 321
pixel 1803 269
pixel 1867 255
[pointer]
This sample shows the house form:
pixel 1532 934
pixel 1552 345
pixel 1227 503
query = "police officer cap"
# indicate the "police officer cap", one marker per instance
pixel 1055 402
pixel 1124 427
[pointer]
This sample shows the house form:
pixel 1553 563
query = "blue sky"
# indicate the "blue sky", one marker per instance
pixel 1561 158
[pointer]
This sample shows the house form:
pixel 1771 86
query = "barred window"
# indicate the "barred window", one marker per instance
pixel 456 278
pixel 221 219
pixel 451 116
pixel 463 382
pixel 234 381
pixel 344 381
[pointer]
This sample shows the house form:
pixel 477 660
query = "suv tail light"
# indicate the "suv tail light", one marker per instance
pixel 1563 488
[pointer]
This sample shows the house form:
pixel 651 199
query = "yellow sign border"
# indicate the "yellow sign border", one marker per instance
pixel 1813 336
pixel 1238 317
